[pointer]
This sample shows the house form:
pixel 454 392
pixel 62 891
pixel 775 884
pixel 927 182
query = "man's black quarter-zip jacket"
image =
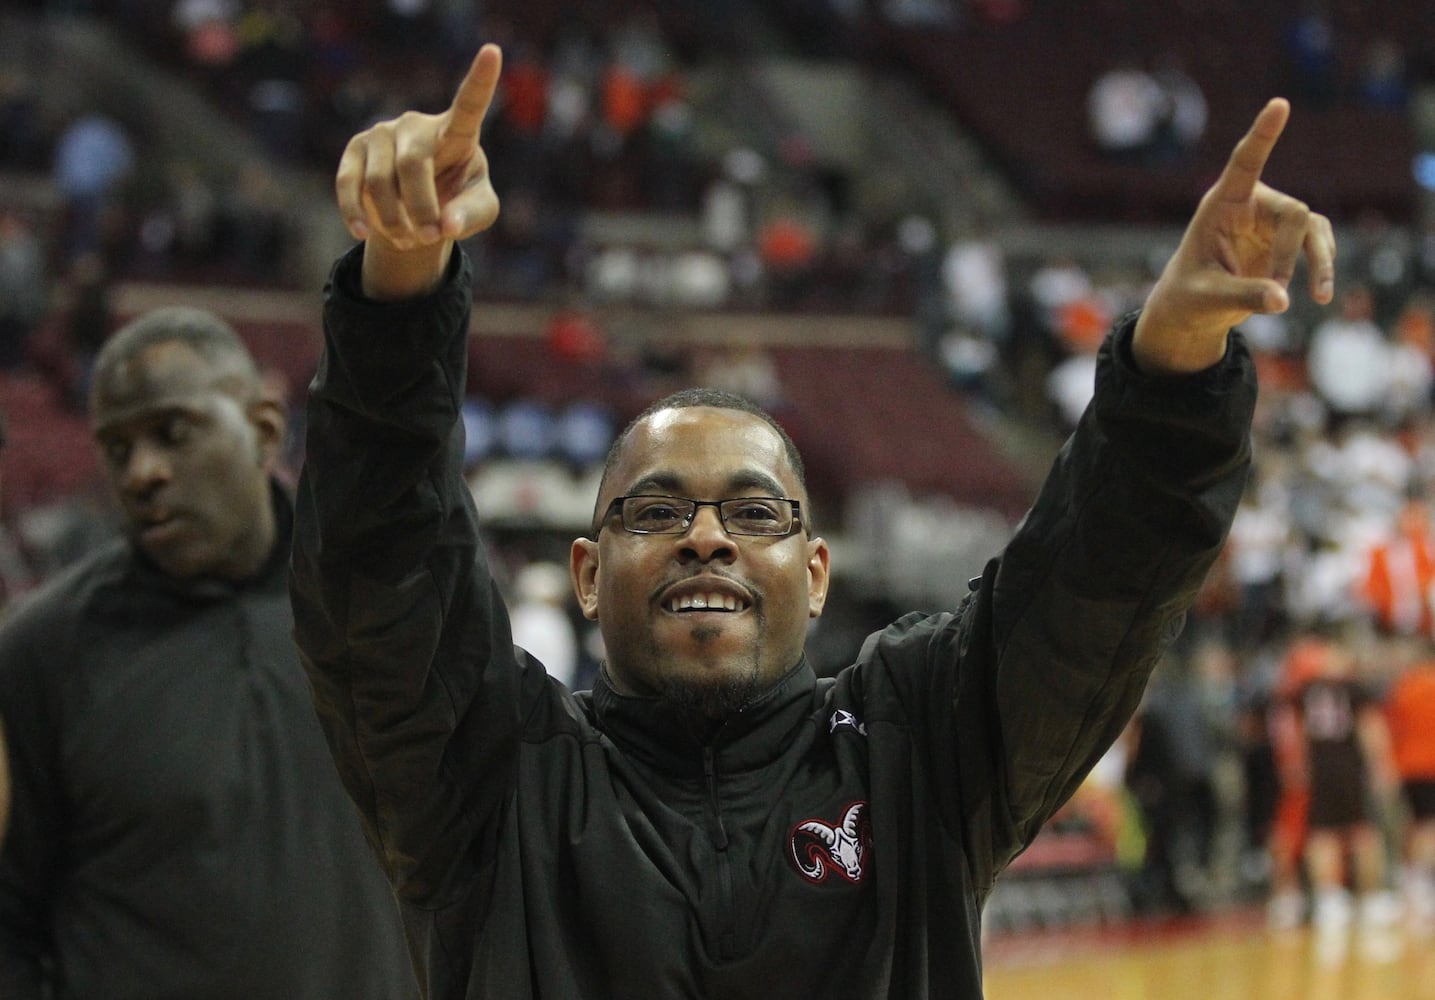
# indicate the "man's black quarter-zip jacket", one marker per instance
pixel 835 839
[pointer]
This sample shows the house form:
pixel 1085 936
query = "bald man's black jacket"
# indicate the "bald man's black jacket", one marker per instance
pixel 179 831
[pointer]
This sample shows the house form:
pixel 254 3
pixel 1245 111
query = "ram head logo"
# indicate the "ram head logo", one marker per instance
pixel 845 849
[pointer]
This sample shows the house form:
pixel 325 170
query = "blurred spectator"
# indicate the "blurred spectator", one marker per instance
pixel 211 38
pixel 1349 358
pixel 93 158
pixel 192 838
pixel 254 236
pixel 1070 385
pixel 1259 783
pixel 1258 543
pixel 1410 708
pixel 744 367
pixel 479 431
pixel 409 26
pixel 525 89
pixel 524 251
pixel 1381 81
pixel 787 245
pixel 699 279
pixel 1347 766
pixel 974 276
pixel 1181 119
pixel 573 336
pixel 583 434
pixel 625 104
pixel 1058 280
pixel 922 13
pixel 1399 583
pixel 188 217
pixel 91 317
pixel 970 363
pixel 1303 661
pixel 272 60
pixel 1312 56
pixel 525 429
pixel 1123 112
pixel 1415 324
pixel 1380 256
pixel 25 140
pixel 725 214
pixel 1169 774
pixel 1412 373
pixel 668 159
pixel 24 286
pixel 541 621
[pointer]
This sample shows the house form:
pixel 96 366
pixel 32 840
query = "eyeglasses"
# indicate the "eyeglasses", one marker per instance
pixel 773 517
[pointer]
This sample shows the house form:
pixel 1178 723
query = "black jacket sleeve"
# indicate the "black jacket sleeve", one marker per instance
pixel 399 623
pixel 28 860
pixel 1054 649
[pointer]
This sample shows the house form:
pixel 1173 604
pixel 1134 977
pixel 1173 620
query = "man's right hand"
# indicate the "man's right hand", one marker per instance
pixel 413 185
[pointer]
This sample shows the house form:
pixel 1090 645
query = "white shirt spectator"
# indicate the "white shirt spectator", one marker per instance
pixel 1123 109
pixel 974 274
pixel 1350 365
pixel 541 624
pixel 1071 384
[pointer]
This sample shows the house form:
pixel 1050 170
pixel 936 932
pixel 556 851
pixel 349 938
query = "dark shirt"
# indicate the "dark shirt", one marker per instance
pixel 179 831
pixel 837 837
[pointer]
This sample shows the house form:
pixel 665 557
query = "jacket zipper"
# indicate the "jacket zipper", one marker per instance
pixel 727 945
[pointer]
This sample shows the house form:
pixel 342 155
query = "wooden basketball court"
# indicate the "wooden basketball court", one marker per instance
pixel 1231 958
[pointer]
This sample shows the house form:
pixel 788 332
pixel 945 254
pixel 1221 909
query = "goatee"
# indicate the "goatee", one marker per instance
pixel 713 701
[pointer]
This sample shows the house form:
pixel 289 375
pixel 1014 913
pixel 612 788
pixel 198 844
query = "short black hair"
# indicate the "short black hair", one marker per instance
pixel 210 337
pixel 719 399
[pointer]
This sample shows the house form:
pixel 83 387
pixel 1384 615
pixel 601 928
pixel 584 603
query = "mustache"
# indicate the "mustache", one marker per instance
pixel 668 584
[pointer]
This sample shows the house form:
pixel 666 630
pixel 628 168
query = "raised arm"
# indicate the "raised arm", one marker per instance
pixel 398 620
pixel 1096 582
pixel 1237 257
pixel 411 186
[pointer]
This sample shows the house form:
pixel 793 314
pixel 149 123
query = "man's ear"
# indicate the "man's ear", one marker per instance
pixel 270 421
pixel 583 570
pixel 818 576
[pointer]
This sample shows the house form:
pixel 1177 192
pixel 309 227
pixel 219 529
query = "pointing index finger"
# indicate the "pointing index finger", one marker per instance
pixel 475 93
pixel 1238 181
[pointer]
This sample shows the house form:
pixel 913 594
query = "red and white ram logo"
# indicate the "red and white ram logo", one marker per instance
pixel 844 850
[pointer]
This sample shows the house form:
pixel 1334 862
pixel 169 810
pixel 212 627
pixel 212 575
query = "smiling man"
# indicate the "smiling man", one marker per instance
pixel 712 820
pixel 178 828
pixel 730 584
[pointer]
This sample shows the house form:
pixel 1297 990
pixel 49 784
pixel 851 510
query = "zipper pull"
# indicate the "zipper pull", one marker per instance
pixel 710 773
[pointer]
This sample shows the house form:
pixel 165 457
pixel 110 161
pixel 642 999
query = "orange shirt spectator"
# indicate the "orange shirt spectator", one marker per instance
pixel 786 244
pixel 525 85
pixel 1401 574
pixel 1410 710
pixel 1082 324
pixel 625 100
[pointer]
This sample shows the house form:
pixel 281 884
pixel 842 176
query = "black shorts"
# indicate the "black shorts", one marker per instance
pixel 1338 791
pixel 1420 797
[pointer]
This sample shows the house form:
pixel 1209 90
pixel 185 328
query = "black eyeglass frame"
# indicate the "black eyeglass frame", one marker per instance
pixel 616 507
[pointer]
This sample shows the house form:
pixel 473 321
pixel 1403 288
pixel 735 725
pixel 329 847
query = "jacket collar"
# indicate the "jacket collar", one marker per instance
pixel 662 735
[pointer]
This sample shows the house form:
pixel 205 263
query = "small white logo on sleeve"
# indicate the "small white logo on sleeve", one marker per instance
pixel 845 719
